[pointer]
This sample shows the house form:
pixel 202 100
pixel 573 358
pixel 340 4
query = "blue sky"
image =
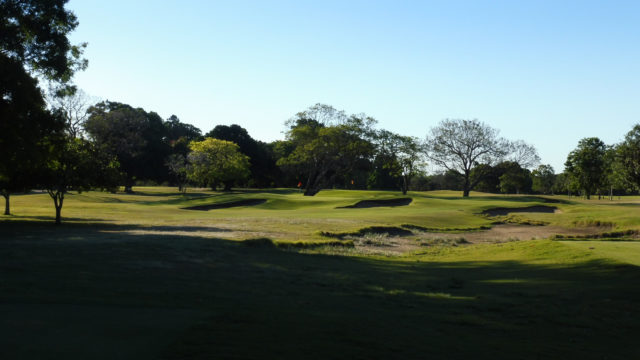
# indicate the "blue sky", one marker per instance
pixel 547 72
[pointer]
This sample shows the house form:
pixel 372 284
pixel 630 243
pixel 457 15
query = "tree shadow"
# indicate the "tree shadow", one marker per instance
pixel 266 302
pixel 514 198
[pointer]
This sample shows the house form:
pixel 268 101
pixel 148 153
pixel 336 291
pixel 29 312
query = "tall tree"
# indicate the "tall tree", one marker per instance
pixel 628 154
pixel 263 164
pixel 33 44
pixel 73 105
pixel 524 154
pixel 400 157
pixel 460 145
pixel 327 144
pixel 76 164
pixel 177 131
pixel 178 136
pixel 514 178
pixel 35 34
pixel 587 165
pixel 214 161
pixel 543 179
pixel 134 136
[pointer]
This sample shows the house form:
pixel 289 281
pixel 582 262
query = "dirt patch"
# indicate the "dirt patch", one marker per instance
pixel 226 205
pixel 512 232
pixel 378 203
pixel 394 244
pixel 528 209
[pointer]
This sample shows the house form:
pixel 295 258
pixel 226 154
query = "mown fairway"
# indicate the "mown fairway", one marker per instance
pixel 139 277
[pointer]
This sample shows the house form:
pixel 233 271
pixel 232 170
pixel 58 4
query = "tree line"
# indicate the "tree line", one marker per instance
pixel 61 140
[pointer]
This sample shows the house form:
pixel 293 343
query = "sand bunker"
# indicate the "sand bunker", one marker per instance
pixel 378 203
pixel 226 205
pixel 528 209
pixel 389 244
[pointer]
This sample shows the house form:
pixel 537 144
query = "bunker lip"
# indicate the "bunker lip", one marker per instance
pixel 371 230
pixel 226 205
pixel 378 203
pixel 528 209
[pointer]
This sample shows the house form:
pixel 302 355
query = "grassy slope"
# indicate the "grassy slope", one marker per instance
pixel 154 292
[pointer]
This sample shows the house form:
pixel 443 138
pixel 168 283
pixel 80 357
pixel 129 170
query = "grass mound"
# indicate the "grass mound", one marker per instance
pixel 593 222
pixel 445 229
pixel 226 205
pixel 259 242
pixel 363 204
pixel 625 235
pixel 502 211
pixel 371 230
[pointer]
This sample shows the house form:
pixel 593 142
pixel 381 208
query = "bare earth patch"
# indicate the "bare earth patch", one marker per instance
pixel 383 244
pixel 510 232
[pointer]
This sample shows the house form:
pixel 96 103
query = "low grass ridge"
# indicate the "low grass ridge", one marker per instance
pixel 378 203
pixel 388 230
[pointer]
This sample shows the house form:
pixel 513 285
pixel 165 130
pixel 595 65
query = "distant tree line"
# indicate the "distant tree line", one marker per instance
pixel 64 141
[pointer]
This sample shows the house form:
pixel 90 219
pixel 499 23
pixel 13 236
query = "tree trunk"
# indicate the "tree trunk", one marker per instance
pixel 466 187
pixel 128 189
pixel 610 193
pixel 311 191
pixel 58 200
pixel 315 182
pixel 227 186
pixel 6 203
pixel 405 186
pixel 58 215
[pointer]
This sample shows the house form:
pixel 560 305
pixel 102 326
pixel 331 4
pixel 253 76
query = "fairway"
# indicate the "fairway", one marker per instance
pixel 250 273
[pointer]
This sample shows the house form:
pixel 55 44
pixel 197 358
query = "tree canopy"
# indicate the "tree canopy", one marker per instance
pixel 587 165
pixel 459 145
pixel 134 136
pixel 628 155
pixel 214 161
pixel 327 144
pixel 35 34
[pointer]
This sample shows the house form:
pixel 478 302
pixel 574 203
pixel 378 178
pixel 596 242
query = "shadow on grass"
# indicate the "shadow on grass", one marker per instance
pixel 510 198
pixel 257 302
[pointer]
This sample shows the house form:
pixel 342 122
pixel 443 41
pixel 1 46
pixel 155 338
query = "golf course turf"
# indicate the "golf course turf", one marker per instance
pixel 135 276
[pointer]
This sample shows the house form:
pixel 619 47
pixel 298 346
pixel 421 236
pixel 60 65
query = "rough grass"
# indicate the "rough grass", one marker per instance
pixel 135 277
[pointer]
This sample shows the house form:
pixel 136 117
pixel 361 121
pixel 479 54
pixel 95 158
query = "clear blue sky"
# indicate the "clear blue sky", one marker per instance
pixel 547 72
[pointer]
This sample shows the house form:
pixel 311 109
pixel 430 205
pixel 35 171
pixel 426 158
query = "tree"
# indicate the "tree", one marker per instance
pixel 178 166
pixel 178 135
pixel 263 164
pixel 177 131
pixel 514 178
pixel 134 136
pixel 587 165
pixel 543 179
pixel 327 144
pixel 214 161
pixel 25 126
pixel 628 154
pixel 460 145
pixel 76 164
pixel 35 33
pixel 33 42
pixel 399 156
pixel 73 105
pixel 524 154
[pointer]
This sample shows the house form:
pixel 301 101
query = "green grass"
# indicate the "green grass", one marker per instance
pixel 136 277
